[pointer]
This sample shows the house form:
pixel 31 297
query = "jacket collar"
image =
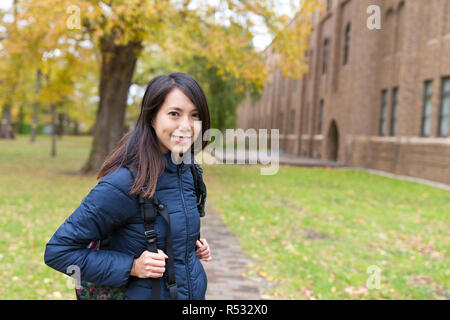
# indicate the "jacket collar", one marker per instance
pixel 172 166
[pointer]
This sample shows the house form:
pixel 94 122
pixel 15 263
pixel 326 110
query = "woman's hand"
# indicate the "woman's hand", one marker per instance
pixel 149 265
pixel 203 251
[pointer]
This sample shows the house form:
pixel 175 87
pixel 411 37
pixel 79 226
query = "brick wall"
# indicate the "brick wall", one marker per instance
pixel 412 47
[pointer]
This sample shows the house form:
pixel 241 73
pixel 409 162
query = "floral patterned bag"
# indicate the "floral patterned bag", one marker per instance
pixel 90 291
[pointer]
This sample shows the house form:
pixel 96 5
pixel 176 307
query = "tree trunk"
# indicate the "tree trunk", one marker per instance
pixel 5 124
pixel 53 114
pixel 34 123
pixel 75 128
pixel 6 129
pixel 118 64
pixel 21 120
pixel 60 127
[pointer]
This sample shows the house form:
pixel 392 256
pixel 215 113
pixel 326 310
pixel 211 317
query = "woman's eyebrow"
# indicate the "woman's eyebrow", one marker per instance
pixel 179 109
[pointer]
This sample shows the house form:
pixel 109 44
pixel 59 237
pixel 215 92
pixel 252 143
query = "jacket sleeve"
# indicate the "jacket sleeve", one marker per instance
pixel 101 211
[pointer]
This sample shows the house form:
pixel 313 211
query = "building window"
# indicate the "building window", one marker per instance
pixel 286 86
pixel 281 122
pixel 427 106
pixel 388 32
pixel 394 111
pixel 326 44
pixel 329 4
pixel 305 119
pixel 444 108
pixel 292 121
pixel 319 125
pixel 347 43
pixel 310 63
pixel 382 126
pixel 399 30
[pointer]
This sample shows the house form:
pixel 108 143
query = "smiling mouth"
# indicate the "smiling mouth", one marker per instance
pixel 181 138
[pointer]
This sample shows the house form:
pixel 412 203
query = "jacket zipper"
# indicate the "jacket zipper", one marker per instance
pixel 187 235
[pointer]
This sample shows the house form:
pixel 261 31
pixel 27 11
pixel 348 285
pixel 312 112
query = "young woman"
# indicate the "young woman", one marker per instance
pixel 174 112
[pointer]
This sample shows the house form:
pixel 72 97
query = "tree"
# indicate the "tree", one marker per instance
pixel 9 81
pixel 41 65
pixel 119 30
pixel 223 91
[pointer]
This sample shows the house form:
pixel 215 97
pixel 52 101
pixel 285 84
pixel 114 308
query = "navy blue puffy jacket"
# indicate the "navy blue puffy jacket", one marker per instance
pixel 109 210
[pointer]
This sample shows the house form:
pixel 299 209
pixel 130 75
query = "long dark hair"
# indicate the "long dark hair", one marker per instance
pixel 139 147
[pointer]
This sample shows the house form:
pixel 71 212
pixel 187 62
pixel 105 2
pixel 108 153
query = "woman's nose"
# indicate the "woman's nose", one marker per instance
pixel 186 124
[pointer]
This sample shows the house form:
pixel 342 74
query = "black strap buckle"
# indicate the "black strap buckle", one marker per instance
pixel 150 235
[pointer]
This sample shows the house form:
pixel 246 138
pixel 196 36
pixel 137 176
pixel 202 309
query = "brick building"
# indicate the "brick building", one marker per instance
pixel 375 98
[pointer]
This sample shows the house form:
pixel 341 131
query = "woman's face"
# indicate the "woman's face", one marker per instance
pixel 177 123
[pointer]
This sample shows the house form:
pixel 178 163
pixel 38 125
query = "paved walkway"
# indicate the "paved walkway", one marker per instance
pixel 227 272
pixel 408 178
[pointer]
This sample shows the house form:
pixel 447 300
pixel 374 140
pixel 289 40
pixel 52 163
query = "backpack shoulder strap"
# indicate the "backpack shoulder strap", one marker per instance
pixel 149 210
pixel 149 213
pixel 200 187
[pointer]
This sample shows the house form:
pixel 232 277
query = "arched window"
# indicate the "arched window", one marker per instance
pixel 399 30
pixel 347 43
pixel 388 33
pixel 382 124
pixel 325 49
pixel 292 121
pixel 427 109
pixel 319 124
pixel 281 126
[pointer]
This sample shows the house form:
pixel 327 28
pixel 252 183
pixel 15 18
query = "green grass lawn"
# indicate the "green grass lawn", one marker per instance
pixel 37 193
pixel 315 232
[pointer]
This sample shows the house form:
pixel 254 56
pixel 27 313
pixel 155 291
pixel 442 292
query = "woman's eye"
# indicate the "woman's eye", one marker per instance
pixel 197 115
pixel 173 113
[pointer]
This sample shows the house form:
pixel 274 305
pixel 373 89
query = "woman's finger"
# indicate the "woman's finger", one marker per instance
pixel 204 254
pixel 202 257
pixel 155 269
